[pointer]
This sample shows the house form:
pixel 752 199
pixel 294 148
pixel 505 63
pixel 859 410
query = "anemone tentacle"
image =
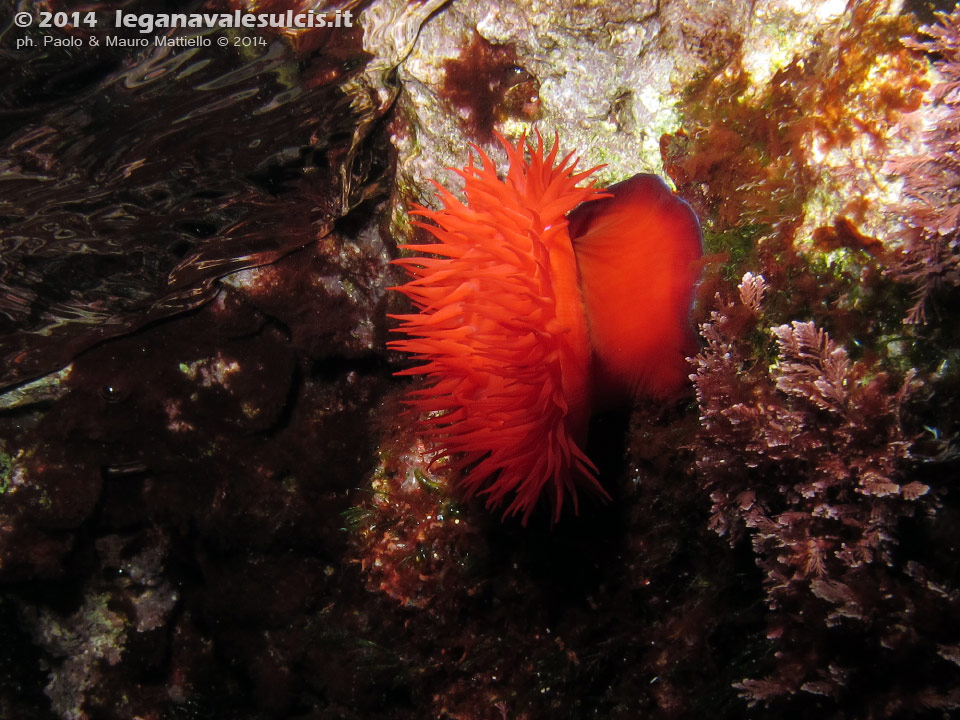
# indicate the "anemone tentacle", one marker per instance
pixel 501 333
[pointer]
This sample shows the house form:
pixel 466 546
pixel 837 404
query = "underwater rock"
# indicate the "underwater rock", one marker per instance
pixel 219 509
pixel 167 169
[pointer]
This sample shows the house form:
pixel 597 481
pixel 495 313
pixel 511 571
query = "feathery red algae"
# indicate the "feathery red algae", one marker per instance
pixel 511 354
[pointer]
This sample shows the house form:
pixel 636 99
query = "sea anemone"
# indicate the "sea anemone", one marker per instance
pixel 524 316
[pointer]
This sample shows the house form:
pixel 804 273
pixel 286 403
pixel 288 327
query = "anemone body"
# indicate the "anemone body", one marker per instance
pixel 501 333
pixel 639 253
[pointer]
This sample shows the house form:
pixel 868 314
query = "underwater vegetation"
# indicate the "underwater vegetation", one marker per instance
pixel 808 459
pixel 930 255
pixel 222 506
pixel 819 438
pixel 508 91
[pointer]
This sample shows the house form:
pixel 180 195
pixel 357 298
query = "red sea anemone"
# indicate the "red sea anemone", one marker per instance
pixel 532 316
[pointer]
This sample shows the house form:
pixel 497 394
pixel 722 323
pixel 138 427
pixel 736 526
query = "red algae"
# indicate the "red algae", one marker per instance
pixel 487 84
pixel 930 256
pixel 810 458
pixel 407 534
pixel 844 234
pixel 746 159
pixel 749 160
